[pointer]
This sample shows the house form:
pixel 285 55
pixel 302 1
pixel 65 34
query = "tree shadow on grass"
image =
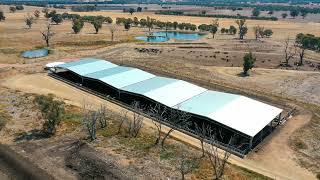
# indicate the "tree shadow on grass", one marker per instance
pixel 34 134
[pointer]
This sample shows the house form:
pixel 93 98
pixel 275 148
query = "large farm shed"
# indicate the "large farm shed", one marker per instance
pixel 246 120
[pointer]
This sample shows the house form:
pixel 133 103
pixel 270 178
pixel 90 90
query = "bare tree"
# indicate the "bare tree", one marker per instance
pixel 258 32
pixel 47 34
pixel 134 126
pixel 177 119
pixel 103 119
pixel 89 119
pixel 123 119
pixel 289 53
pixel 157 112
pixel 203 132
pixel 186 164
pixel 218 162
pixel 112 29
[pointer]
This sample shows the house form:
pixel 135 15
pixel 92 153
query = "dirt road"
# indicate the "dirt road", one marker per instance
pixel 275 159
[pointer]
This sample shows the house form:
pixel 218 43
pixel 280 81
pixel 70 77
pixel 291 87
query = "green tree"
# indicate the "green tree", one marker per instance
pixel 248 63
pixel 294 13
pixel 136 21
pixel 52 111
pixel 131 11
pixel 29 20
pixel 2 17
pixel 303 42
pixel 268 33
pixel 255 12
pixel 19 7
pixel 77 25
pixel 127 25
pixel 242 27
pixel 57 18
pixel 284 15
pixel 214 27
pixel 232 30
pixel 12 9
pixel 97 24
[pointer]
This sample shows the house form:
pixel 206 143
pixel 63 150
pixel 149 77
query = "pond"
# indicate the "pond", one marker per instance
pixel 166 36
pixel 35 53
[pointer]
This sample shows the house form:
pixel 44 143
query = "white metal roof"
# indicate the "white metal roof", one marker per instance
pixel 246 115
pixel 174 93
pixel 235 111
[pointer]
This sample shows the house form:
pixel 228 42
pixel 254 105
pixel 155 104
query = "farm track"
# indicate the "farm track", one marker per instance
pixel 14 166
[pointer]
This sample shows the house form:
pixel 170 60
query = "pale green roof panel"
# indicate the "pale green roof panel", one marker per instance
pixel 108 72
pixel 91 67
pixel 207 102
pixel 148 85
pixel 126 78
pixel 78 62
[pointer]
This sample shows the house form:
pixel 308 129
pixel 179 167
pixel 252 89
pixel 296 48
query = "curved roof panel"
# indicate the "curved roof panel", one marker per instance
pixel 149 85
pixel 243 114
pixel 126 78
pixel 174 93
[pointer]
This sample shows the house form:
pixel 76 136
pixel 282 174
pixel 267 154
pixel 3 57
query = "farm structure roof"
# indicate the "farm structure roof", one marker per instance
pixel 238 112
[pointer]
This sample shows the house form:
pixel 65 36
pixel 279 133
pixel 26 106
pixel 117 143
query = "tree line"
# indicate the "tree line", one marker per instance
pixel 181 13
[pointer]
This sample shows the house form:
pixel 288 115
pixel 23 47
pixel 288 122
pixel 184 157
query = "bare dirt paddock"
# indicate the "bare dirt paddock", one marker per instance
pixel 275 160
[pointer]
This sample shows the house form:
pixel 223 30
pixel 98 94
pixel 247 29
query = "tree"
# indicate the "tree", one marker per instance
pixel 284 15
pixel 242 27
pixel 270 12
pixel 232 30
pixel 136 21
pixel 2 17
pixel 186 164
pixel 248 63
pixel 89 119
pixel 214 27
pixel 303 43
pixel 29 20
pixel 52 13
pixel 294 13
pixel 203 131
pixel 289 54
pixel 56 18
pixel 258 32
pixel 218 163
pixel 102 118
pixel 127 25
pixel 255 12
pixel 175 117
pixel 304 13
pixel 139 9
pixel 131 11
pixel 36 13
pixel 52 111
pixel 112 29
pixel 19 7
pixel 46 12
pixel 12 9
pixel 268 33
pixel 77 25
pixel 47 34
pixel 135 124
pixel 97 24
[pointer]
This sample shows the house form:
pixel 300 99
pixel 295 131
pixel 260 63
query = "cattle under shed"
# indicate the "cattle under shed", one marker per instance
pixel 246 120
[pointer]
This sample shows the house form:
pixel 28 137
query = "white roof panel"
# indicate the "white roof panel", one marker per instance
pixel 126 78
pixel 246 115
pixel 175 93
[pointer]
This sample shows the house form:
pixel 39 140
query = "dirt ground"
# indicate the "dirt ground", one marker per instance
pixel 272 160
